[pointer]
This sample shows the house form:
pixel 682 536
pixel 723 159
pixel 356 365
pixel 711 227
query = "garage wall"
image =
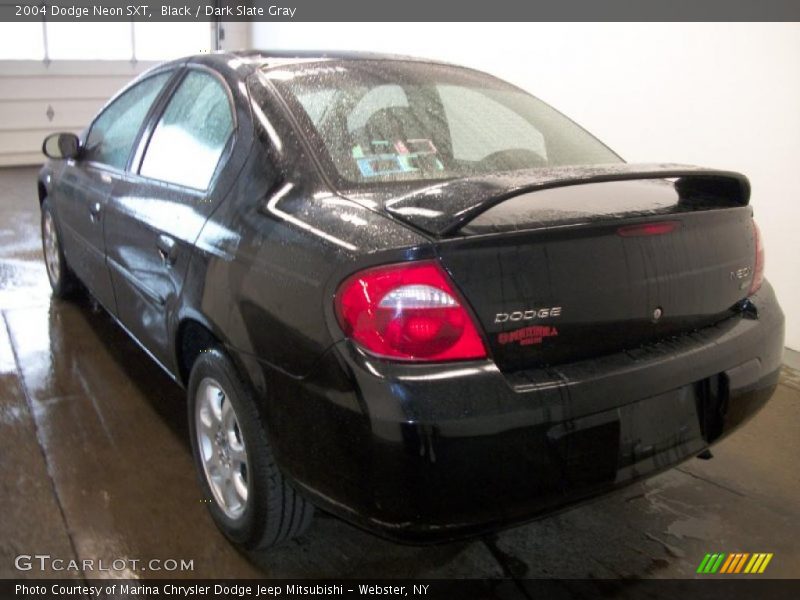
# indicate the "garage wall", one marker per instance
pixel 234 35
pixel 37 99
pixel 723 95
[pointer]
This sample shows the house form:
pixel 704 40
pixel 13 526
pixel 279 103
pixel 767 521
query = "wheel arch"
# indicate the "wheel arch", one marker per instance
pixel 192 336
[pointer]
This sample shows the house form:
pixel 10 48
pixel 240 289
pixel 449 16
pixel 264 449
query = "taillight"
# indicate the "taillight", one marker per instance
pixel 407 311
pixel 758 269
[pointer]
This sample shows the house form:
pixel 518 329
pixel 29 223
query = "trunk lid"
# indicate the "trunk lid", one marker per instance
pixel 573 265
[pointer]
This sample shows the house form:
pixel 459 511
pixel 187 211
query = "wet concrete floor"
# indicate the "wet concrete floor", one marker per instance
pixel 95 464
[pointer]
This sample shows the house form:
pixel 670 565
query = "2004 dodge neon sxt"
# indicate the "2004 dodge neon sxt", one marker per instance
pixel 408 293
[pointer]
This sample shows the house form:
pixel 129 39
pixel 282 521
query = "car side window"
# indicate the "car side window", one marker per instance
pixel 191 135
pixel 113 133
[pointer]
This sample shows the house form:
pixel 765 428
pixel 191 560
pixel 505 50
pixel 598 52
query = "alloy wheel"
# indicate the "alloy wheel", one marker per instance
pixel 221 447
pixel 52 258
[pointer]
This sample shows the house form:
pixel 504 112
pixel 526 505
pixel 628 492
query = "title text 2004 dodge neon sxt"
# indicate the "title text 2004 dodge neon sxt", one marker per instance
pixel 408 293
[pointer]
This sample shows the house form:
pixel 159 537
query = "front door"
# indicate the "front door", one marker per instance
pixel 88 182
pixel 80 202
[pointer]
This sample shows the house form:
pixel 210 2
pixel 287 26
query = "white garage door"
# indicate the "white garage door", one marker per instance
pixel 56 76
pixel 37 99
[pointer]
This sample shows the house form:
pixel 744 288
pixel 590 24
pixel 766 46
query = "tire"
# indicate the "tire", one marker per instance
pixel 62 280
pixel 257 508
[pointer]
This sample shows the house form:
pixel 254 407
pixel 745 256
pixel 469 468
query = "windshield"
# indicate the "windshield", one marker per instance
pixel 392 120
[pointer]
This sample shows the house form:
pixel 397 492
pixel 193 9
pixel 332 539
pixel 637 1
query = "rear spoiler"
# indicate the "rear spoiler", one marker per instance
pixel 443 208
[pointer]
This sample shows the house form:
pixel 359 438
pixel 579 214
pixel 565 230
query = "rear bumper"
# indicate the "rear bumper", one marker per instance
pixel 428 453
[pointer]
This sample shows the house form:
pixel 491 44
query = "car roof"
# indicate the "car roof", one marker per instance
pixel 244 62
pixel 267 56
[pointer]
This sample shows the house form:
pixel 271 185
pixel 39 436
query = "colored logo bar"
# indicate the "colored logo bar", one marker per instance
pixel 734 563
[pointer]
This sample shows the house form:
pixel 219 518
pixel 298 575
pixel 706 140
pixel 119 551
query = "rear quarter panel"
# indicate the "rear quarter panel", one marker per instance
pixel 267 255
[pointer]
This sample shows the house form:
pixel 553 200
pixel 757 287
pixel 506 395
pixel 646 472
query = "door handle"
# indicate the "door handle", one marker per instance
pixel 167 249
pixel 94 211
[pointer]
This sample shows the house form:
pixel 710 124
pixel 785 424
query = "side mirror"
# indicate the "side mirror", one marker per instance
pixel 61 145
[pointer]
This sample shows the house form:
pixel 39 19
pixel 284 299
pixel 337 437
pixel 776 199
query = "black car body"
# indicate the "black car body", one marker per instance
pixel 609 319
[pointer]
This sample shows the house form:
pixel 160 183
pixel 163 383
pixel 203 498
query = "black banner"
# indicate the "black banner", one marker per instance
pixel 409 10
pixel 679 589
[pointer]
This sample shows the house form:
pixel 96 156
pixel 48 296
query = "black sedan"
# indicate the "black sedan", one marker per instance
pixel 408 293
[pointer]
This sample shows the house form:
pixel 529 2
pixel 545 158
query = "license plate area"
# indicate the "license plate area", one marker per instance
pixel 713 396
pixel 658 425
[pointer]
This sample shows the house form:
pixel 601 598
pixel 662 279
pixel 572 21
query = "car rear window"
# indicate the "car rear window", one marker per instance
pixel 394 120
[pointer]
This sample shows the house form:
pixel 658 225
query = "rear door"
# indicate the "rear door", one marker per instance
pixel 157 211
pixel 86 183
